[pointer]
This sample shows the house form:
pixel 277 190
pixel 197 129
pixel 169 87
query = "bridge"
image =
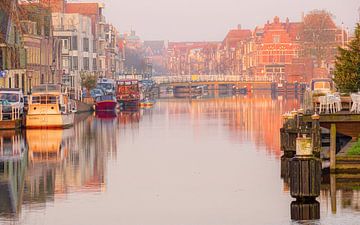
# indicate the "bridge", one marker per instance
pixel 204 79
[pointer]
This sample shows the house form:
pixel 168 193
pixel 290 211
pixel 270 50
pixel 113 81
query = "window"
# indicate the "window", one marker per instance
pixel 74 43
pixel 65 63
pixel 17 81
pixel 94 67
pixel 86 63
pixel 94 46
pixel 65 44
pixel 75 63
pixel 1 60
pixel 86 44
pixel 23 82
pixel 276 38
pixel 282 57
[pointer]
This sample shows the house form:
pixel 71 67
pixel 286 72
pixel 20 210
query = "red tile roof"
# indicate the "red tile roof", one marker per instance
pixel 82 8
pixel 234 36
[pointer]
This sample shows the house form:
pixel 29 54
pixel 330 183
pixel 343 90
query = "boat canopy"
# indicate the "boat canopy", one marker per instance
pixel 127 82
pixel 44 88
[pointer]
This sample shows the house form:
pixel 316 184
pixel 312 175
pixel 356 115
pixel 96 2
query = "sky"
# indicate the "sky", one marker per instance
pixel 210 20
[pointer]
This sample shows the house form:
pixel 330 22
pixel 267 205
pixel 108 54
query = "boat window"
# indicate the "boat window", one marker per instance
pixel 44 99
pixel 10 97
pixel 51 99
pixel 36 99
pixel 322 85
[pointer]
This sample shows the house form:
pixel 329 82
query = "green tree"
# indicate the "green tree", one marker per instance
pixel 88 81
pixel 347 65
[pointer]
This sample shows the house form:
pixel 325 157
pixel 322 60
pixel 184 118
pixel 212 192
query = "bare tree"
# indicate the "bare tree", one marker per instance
pixel 319 36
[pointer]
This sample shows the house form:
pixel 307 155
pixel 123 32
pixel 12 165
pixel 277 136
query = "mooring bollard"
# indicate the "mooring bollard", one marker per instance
pixel 305 172
pixel 305 181
pixel 305 210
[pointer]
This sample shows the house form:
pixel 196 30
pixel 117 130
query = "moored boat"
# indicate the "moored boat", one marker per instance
pixel 128 92
pixel 11 108
pixel 105 103
pixel 147 103
pixel 49 108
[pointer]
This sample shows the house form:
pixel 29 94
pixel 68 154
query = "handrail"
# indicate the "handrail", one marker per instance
pixel 211 78
pixel 13 115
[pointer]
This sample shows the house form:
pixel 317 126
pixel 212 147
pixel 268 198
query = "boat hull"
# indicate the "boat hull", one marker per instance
pixel 106 106
pixel 49 120
pixel 134 102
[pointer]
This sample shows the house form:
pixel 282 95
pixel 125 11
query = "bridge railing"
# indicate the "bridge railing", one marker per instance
pixel 210 78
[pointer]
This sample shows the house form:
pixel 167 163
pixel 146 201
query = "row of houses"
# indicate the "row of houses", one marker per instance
pixel 282 50
pixel 55 41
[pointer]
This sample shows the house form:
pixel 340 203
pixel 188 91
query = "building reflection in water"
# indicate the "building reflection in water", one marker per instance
pixel 13 163
pixel 256 118
pixel 54 163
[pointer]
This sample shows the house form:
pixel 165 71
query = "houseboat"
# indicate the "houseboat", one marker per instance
pixel 128 92
pixel 49 108
pixel 105 103
pixel 11 108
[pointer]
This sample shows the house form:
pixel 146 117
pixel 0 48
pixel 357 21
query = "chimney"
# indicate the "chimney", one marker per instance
pixel 239 26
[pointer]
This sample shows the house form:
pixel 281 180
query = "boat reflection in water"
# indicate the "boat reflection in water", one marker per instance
pixel 129 115
pixel 13 163
pixel 46 146
pixel 105 114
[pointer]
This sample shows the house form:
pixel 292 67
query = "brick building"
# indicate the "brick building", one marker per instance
pixel 276 45
pixel 193 58
pixel 232 51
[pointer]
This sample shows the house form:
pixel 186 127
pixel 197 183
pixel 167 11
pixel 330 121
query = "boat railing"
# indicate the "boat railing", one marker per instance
pixel 13 114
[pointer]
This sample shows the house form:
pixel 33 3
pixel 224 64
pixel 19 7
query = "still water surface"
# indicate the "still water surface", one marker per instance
pixel 184 162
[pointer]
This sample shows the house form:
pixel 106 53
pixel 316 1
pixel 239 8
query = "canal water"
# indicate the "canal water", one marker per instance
pixel 209 161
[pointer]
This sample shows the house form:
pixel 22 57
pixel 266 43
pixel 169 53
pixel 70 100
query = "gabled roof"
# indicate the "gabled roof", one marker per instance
pixel 235 36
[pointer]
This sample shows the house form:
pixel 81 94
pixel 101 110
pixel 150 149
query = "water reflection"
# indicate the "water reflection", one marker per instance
pixel 248 118
pixel 13 162
pixel 185 161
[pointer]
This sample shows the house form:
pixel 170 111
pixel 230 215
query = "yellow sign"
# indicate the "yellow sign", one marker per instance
pixel 194 77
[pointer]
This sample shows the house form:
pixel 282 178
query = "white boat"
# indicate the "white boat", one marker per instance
pixel 49 108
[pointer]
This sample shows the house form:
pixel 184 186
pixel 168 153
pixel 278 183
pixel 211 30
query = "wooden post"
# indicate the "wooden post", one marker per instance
pixel 333 147
pixel 333 192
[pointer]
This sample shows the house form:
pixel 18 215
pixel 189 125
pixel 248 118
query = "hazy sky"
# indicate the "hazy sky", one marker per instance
pixel 197 20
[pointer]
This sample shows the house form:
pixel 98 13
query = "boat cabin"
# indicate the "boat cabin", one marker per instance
pixel 48 99
pixel 127 90
pixel 321 85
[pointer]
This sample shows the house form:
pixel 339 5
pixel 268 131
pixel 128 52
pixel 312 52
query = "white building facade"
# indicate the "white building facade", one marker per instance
pixel 78 51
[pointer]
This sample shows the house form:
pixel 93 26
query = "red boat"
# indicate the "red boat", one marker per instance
pixel 128 92
pixel 105 103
